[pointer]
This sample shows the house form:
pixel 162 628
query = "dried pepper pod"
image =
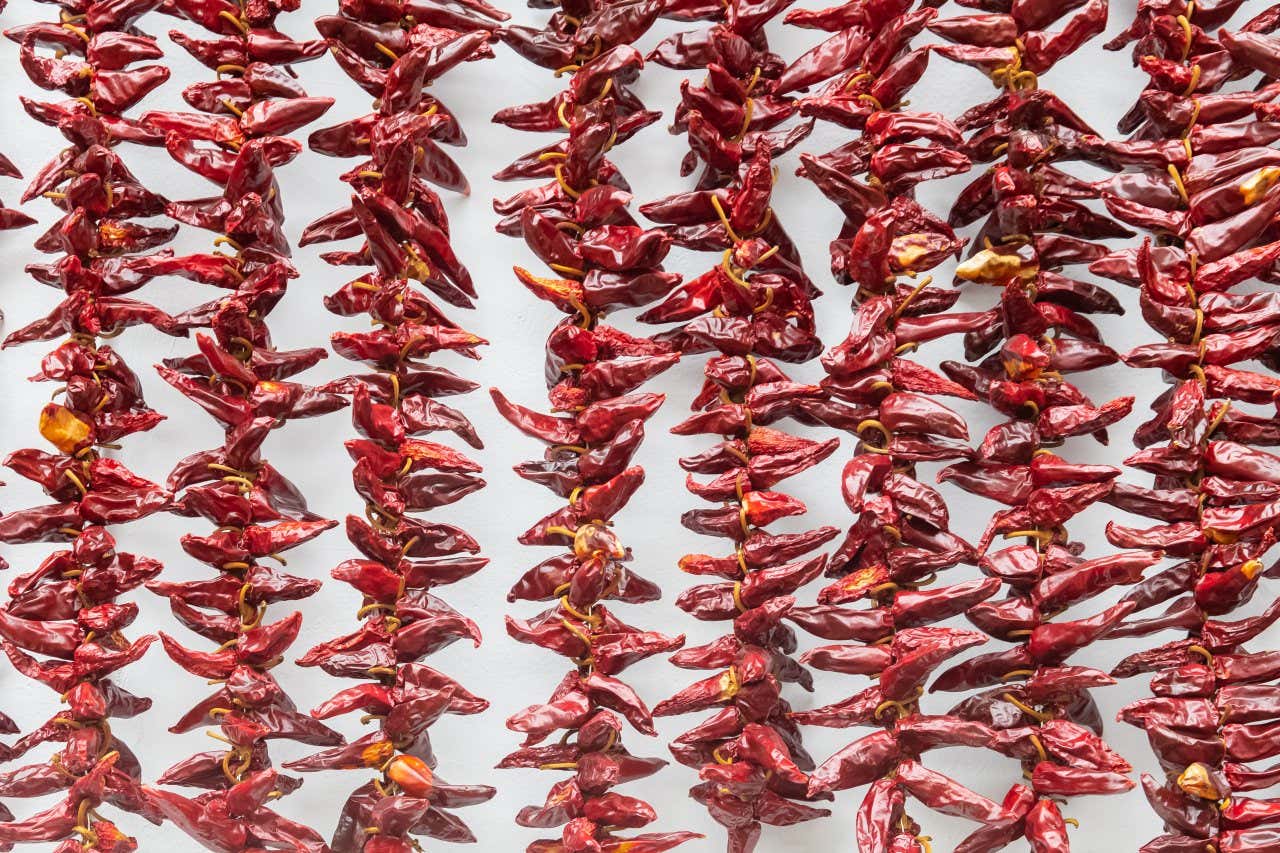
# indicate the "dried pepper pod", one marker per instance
pixel 237 376
pixel 1199 176
pixel 754 311
pixel 66 620
pixel 394 51
pixel 1033 226
pixel 577 222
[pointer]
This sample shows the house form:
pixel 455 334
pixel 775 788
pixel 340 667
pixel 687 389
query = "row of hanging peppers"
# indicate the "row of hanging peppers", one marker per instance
pixel 1200 178
pixel 66 618
pixel 1198 171
pixel 393 52
pixel 577 222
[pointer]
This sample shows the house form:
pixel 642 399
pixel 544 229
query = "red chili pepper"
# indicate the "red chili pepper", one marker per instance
pixel 752 311
pixel 576 222
pixel 1033 226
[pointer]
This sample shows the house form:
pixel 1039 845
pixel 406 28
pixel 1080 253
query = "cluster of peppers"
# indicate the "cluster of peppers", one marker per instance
pixel 1199 170
pixel 576 221
pixel 393 51
pixel 236 139
pixel 753 311
pixel 9 217
pixel 64 624
pixel 1202 178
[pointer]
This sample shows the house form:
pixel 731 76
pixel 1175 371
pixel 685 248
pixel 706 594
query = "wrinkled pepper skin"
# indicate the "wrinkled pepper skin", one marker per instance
pixel 66 621
pixel 1021 352
pixel 577 222
pixel 900 540
pixel 394 51
pixel 1204 150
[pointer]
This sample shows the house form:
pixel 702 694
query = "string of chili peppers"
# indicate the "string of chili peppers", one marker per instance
pixel 577 223
pixel 236 140
pixel 1035 225
pixel 1202 180
pixel 901 538
pixel 753 310
pixel 64 624
pixel 393 51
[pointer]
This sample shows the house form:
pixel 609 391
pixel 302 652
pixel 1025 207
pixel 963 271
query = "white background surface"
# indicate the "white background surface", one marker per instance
pixel 1099 85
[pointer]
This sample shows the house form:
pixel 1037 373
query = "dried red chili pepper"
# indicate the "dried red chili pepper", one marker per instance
pixel 11 218
pixel 576 221
pixel 1033 227
pixel 1199 177
pixel 64 624
pixel 394 51
pixel 901 538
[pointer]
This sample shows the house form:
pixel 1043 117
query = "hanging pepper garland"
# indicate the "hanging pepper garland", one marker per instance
pixel 11 218
pixel 1203 179
pixel 754 309
pixel 901 538
pixel 241 380
pixel 1034 226
pixel 577 223
pixel 393 52
pixel 64 625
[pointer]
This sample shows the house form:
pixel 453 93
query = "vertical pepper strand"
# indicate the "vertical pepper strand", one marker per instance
pixel 64 624
pixel 238 377
pixel 393 51
pixel 1034 226
pixel 1204 156
pixel 577 223
pixel 754 309
pixel 901 538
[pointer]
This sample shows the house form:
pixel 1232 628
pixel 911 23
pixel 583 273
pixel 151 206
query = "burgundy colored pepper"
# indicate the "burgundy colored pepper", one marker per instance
pixel 752 311
pixel 235 140
pixel 577 223
pixel 394 51
pixel 900 539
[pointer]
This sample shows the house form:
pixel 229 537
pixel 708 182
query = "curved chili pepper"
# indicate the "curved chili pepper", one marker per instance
pixel 395 50
pixel 900 539
pixel 65 622
pixel 577 223
pixel 1204 162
